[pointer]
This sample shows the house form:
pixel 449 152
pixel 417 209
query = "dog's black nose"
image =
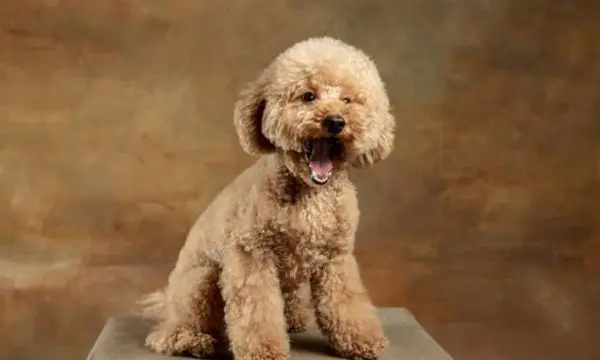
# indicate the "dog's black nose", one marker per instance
pixel 334 124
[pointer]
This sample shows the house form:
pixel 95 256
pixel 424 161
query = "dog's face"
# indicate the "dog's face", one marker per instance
pixel 322 104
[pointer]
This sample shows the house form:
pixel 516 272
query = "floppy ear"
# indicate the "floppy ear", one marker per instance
pixel 247 118
pixel 382 146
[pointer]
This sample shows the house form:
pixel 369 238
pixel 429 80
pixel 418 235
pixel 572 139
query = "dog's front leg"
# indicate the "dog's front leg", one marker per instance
pixel 344 312
pixel 254 310
pixel 297 301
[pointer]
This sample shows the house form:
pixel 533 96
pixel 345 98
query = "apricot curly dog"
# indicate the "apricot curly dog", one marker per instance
pixel 276 246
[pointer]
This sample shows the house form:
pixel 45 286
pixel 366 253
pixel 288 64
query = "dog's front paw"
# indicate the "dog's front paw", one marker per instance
pixel 360 345
pixel 264 352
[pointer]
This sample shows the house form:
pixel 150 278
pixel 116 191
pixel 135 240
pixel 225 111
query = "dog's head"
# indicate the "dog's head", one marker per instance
pixel 322 104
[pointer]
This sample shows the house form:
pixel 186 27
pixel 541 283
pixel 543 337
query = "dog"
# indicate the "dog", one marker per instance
pixel 275 249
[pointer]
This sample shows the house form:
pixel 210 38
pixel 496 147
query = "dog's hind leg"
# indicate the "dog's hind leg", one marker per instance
pixel 192 322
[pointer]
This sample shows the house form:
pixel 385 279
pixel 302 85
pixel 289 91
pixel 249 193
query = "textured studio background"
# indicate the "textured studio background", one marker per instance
pixel 116 131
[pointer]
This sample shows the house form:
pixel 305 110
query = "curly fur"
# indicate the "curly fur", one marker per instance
pixel 273 248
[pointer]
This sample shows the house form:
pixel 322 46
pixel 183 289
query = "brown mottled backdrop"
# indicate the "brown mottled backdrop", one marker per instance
pixel 116 131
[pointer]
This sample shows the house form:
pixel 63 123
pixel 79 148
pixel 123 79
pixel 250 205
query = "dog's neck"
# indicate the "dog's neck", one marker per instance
pixel 288 187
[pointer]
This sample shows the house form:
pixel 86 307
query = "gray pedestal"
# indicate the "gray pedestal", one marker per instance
pixel 122 339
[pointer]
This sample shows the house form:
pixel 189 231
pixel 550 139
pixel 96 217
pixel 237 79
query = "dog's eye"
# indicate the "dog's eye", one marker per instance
pixel 346 100
pixel 309 96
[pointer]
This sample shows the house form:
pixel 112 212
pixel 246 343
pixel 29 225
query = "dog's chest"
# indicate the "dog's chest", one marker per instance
pixel 308 235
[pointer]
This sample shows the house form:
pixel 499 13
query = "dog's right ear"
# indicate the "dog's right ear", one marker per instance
pixel 248 116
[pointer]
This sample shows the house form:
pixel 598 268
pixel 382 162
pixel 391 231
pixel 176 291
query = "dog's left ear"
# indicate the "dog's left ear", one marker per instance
pixel 382 144
pixel 247 118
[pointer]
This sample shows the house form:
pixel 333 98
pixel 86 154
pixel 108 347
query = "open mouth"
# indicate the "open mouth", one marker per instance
pixel 320 154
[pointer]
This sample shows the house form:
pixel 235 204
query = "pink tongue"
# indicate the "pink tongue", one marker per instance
pixel 320 163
